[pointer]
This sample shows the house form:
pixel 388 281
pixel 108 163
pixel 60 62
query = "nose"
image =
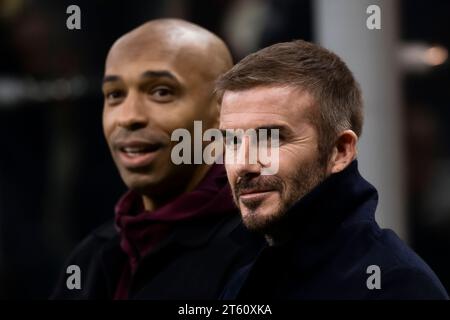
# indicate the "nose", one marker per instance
pixel 246 163
pixel 132 115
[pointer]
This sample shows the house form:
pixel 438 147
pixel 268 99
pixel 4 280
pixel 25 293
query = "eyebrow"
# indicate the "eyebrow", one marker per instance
pixel 159 74
pixel 110 79
pixel 147 74
pixel 281 128
pixel 273 126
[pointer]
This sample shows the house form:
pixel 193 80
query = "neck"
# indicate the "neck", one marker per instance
pixel 152 202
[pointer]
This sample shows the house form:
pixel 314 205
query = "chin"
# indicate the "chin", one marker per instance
pixel 260 219
pixel 140 181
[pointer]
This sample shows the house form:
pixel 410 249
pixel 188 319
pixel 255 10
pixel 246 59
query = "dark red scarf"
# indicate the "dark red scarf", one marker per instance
pixel 140 230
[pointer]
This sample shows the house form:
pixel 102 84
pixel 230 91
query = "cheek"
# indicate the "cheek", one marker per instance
pixel 297 154
pixel 291 158
pixel 230 174
pixel 170 120
pixel 183 114
pixel 107 123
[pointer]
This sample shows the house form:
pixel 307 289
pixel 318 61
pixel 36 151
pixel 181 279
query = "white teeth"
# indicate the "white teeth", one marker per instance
pixel 133 150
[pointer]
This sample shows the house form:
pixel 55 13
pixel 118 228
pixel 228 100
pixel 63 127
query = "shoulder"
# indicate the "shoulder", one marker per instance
pixel 94 242
pixel 87 256
pixel 404 275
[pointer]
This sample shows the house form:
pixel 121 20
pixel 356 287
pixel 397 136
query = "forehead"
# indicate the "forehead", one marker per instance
pixel 132 58
pixel 262 106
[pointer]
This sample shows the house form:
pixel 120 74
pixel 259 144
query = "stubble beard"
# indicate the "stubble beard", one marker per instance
pixel 291 190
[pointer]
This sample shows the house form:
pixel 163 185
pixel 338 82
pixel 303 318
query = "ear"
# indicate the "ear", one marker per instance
pixel 344 151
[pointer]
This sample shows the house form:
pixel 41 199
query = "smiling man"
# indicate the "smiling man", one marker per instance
pixel 317 212
pixel 176 233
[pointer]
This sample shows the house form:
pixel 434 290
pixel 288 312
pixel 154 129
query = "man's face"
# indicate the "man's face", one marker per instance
pixel 264 199
pixel 149 91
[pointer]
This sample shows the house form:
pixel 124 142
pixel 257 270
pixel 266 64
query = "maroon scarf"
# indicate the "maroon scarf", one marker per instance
pixel 140 230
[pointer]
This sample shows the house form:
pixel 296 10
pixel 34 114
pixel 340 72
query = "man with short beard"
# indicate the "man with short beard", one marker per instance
pixel 316 211
pixel 176 233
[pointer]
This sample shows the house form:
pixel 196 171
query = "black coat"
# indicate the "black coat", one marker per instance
pixel 194 262
pixel 336 240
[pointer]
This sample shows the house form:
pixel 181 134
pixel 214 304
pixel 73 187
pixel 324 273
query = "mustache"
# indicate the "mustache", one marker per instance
pixel 261 183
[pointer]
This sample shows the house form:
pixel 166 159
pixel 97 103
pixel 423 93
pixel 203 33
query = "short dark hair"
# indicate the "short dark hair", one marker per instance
pixel 309 67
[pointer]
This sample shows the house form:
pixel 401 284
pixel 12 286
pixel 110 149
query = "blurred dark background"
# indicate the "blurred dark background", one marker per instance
pixel 57 180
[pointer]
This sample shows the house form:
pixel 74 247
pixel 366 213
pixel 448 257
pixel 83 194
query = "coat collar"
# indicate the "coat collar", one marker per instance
pixel 343 197
pixel 143 231
pixel 186 235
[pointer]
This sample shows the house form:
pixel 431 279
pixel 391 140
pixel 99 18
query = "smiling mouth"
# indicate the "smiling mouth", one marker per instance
pixel 137 155
pixel 255 194
pixel 139 151
pixel 252 199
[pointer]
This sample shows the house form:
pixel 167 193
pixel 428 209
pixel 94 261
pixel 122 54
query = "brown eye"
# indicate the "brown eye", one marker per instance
pixel 162 94
pixel 114 96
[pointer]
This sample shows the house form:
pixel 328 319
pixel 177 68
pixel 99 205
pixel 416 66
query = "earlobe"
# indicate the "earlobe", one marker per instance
pixel 344 152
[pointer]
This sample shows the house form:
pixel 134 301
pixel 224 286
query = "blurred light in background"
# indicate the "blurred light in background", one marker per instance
pixel 15 91
pixel 436 55
pixel 421 56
